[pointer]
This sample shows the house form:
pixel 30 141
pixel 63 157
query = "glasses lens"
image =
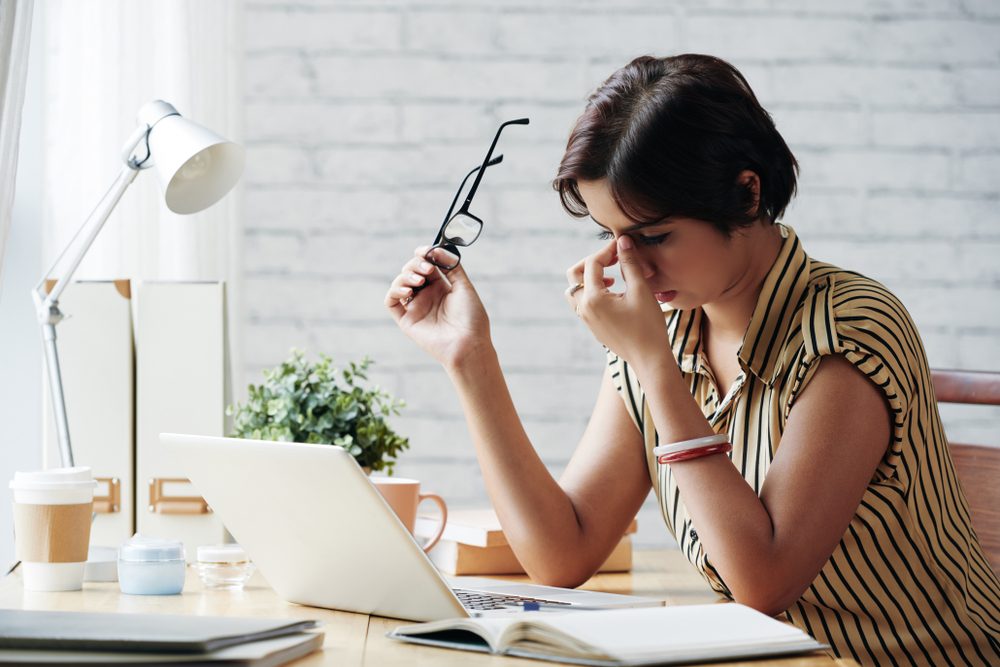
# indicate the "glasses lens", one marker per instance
pixel 462 229
pixel 444 256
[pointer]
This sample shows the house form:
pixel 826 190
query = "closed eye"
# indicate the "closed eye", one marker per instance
pixel 645 240
pixel 653 240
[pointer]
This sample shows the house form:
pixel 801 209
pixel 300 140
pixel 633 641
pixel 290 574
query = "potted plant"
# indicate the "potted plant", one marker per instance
pixel 301 401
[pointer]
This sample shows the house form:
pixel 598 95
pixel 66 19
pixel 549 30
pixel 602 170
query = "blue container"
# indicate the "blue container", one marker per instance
pixel 151 566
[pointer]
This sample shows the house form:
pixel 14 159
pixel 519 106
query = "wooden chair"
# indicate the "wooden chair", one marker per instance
pixel 978 467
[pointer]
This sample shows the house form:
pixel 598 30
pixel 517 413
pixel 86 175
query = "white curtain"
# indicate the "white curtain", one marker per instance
pixel 15 33
pixel 104 60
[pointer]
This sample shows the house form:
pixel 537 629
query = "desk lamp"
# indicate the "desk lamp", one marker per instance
pixel 196 168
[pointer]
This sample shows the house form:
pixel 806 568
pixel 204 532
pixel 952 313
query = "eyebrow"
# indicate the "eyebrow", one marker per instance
pixel 635 227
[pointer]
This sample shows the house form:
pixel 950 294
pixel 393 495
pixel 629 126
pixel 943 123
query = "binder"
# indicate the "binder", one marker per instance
pixel 181 387
pixel 96 361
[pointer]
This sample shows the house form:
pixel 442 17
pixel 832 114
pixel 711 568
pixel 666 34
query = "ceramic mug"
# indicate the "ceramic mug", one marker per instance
pixel 403 496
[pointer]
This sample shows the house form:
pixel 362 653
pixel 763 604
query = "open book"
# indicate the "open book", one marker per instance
pixel 647 636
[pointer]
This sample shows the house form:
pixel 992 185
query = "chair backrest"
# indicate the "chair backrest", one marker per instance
pixel 978 467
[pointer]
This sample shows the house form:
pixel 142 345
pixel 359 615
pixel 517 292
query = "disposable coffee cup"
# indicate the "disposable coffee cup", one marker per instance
pixel 52 516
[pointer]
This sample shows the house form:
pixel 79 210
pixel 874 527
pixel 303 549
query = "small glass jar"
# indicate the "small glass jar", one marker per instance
pixel 151 566
pixel 224 566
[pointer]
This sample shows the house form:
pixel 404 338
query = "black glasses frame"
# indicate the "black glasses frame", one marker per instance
pixel 450 244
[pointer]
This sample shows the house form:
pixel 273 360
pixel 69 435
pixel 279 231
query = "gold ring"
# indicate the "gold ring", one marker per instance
pixel 573 289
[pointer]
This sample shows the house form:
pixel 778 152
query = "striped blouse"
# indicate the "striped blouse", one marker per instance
pixel 908 584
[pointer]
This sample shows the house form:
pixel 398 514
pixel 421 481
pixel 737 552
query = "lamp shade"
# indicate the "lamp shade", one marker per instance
pixel 196 166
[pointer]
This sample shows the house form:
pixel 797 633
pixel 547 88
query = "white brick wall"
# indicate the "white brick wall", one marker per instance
pixel 362 116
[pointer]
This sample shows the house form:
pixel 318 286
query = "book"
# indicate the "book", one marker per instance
pixel 262 653
pixel 182 386
pixel 96 361
pixel 463 559
pixel 473 543
pixel 620 637
pixel 474 527
pixel 163 633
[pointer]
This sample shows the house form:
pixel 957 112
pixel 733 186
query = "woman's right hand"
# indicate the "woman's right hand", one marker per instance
pixel 446 317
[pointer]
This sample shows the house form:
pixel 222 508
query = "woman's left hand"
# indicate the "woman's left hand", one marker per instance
pixel 631 323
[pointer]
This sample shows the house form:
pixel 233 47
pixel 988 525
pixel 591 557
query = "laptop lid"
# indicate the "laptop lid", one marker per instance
pixel 319 531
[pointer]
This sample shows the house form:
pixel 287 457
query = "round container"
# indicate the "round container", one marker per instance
pixel 54 487
pixel 224 566
pixel 151 566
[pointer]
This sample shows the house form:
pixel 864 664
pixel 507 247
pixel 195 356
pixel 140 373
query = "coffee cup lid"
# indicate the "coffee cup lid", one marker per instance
pixel 73 475
pixel 141 548
pixel 56 479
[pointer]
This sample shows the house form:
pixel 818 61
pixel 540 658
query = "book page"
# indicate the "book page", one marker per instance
pixel 635 633
pixel 488 630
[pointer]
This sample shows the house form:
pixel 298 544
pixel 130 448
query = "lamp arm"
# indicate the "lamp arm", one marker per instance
pixel 47 301
pixel 92 225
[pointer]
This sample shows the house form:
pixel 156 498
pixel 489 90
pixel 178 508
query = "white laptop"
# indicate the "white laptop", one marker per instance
pixel 322 535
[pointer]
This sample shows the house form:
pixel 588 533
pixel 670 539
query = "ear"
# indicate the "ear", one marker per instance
pixel 747 178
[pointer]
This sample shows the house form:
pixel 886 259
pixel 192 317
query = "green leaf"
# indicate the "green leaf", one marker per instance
pixel 301 401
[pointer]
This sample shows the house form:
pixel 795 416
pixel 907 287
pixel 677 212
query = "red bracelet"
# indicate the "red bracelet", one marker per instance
pixel 696 453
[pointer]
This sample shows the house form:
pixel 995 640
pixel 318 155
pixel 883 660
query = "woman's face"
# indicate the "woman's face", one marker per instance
pixel 686 262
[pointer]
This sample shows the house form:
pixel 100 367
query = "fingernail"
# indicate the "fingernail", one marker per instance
pixel 426 266
pixel 625 242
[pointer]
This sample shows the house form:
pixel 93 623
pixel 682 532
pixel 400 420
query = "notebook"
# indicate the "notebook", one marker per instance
pixel 621 637
pixel 262 653
pixel 162 633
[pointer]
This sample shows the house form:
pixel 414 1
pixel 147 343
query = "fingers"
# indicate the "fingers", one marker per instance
pixel 632 268
pixel 587 279
pixel 607 256
pixel 416 273
pixel 629 261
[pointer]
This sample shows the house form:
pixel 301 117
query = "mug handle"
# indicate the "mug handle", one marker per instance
pixel 444 517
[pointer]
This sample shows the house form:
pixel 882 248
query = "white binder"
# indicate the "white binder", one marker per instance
pixel 181 387
pixel 95 357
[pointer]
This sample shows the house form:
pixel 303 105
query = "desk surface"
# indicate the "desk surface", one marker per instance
pixel 359 639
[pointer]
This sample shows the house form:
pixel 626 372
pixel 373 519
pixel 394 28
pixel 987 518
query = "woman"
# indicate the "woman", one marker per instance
pixel 781 408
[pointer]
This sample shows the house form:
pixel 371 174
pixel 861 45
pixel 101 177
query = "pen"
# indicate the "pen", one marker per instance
pixel 530 605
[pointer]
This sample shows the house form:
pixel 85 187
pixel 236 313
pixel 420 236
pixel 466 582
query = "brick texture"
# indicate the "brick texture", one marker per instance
pixel 362 116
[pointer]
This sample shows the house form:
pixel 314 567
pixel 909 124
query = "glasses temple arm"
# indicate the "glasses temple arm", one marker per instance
pixel 447 216
pixel 479 176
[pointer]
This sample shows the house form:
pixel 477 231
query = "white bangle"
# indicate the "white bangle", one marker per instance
pixel 685 445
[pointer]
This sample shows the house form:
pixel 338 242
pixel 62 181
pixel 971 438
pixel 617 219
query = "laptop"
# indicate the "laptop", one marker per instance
pixel 322 535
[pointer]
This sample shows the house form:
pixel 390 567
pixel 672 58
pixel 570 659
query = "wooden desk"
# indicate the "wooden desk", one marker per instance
pixel 359 639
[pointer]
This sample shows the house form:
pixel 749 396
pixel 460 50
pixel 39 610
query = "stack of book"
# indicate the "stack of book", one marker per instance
pixel 473 543
pixel 74 638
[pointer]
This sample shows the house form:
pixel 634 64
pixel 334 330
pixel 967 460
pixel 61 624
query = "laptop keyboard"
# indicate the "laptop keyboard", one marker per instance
pixel 482 601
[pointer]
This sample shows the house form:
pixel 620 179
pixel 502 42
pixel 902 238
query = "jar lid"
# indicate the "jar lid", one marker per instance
pixel 141 548
pixel 222 553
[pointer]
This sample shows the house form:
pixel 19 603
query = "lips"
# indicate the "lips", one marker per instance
pixel 664 297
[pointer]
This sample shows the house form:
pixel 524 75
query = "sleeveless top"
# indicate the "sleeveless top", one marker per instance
pixel 908 584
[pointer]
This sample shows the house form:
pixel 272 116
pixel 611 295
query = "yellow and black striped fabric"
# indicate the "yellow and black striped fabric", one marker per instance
pixel 908 584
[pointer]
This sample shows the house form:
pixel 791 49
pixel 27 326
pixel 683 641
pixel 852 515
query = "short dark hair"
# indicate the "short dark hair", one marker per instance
pixel 671 135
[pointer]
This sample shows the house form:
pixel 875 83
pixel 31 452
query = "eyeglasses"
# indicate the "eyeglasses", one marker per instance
pixel 463 228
